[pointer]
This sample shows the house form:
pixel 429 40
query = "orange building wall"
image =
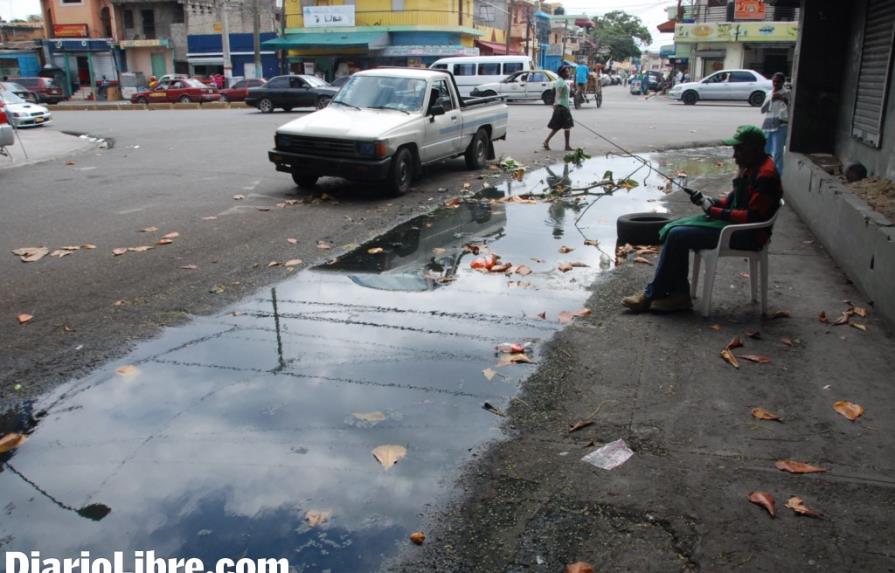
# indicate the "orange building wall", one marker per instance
pixel 88 12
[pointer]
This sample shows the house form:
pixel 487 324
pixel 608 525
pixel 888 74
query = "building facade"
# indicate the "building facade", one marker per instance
pixel 713 35
pixel 20 46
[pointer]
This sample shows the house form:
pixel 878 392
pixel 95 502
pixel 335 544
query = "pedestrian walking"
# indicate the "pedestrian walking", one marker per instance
pixel 562 115
pixel 776 122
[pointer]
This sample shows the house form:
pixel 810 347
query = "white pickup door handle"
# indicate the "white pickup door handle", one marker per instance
pixel 453 118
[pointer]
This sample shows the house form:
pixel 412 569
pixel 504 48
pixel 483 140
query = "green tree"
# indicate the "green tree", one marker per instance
pixel 619 32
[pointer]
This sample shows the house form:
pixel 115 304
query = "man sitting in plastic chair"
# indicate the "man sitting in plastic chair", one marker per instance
pixel 755 197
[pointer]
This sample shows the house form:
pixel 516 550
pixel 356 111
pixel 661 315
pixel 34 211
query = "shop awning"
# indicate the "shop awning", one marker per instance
pixel 370 40
pixel 496 48
pixel 667 27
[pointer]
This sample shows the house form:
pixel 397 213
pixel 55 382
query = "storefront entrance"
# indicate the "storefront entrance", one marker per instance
pixel 159 66
pixel 83 70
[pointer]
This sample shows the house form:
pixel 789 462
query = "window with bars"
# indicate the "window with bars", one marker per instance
pixel 874 73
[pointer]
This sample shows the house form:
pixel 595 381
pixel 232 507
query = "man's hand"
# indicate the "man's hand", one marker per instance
pixel 707 203
pixel 695 196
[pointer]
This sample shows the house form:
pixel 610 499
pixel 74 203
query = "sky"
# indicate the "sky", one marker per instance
pixel 651 12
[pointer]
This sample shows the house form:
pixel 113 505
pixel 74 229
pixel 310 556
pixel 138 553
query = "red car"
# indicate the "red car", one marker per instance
pixel 238 91
pixel 182 90
pixel 45 88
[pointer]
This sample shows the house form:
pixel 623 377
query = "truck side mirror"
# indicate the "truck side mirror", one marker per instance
pixel 436 109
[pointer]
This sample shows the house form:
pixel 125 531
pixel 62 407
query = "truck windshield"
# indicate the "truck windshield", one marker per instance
pixel 380 92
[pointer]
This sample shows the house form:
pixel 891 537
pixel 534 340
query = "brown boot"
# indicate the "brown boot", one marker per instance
pixel 637 303
pixel 677 301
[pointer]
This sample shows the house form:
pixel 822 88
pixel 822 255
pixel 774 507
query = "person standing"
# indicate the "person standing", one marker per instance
pixel 581 77
pixel 776 122
pixel 562 116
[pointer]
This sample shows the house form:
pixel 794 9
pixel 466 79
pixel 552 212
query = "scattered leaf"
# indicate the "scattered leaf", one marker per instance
pixel 324 245
pixel 164 242
pixel 795 467
pixel 753 334
pixel 848 409
pixel 781 314
pixel 565 267
pixel 149 230
pixel 765 500
pixel 119 251
pixel 265 209
pixel 735 342
pixel 859 326
pixel 762 414
pixel 140 249
pixel 500 268
pixel 59 253
pixel 418 537
pixel 273 264
pixel 757 358
pixel 716 327
pixel 11 441
pixel 507 359
pixel 580 424
pixel 171 235
pixel 31 254
pixel 293 262
pixel 88 246
pixel 579 567
pixel 316 517
pixel 489 373
pixel 860 311
pixel 239 197
pixel 511 348
pixel 579 264
pixel 127 371
pixel 493 409
pixel 728 357
pixel 797 505
pixel 71 248
pixel 189 267
pixel 68 328
pixel 789 341
pixel 69 162
pixel 843 319
pixel 439 251
pixel 375 250
pixel 565 250
pixel 389 455
pixel 823 317
pixel 292 241
pixel 542 315
pixel 523 270
pixel 119 302
pixel 24 318
pixel 592 243
pixel 642 261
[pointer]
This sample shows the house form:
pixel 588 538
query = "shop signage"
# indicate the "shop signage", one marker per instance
pixel 162 43
pixel 442 51
pixel 554 49
pixel 328 16
pixel 69 30
pixel 749 10
pixel 745 32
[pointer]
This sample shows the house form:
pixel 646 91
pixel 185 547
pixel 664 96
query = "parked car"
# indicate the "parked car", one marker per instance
pixel 7 137
pixel 340 81
pixel 19 90
pixel 183 90
pixel 731 85
pixel 45 89
pixel 385 125
pixel 526 85
pixel 288 92
pixel 472 71
pixel 21 113
pixel 239 90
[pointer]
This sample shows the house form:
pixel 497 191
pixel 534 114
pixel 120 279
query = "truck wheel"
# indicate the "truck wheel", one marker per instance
pixel 401 175
pixel 547 97
pixel 756 99
pixel 304 180
pixel 265 105
pixel 690 98
pixel 477 153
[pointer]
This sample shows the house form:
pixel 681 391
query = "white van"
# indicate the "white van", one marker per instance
pixel 472 71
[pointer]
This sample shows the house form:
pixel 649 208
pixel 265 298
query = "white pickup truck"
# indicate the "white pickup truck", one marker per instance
pixel 385 124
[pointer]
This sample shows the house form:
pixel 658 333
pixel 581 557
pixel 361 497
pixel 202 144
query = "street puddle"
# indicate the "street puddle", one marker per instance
pixel 251 433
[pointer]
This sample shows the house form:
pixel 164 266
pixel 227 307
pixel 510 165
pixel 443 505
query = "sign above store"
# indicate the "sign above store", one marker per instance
pixel 69 30
pixel 435 50
pixel 745 32
pixel 328 16
pixel 749 10
pixel 160 43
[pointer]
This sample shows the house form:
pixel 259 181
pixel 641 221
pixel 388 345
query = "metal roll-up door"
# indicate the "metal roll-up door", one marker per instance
pixel 873 77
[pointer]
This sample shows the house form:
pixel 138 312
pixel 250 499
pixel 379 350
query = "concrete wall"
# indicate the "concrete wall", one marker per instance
pixel 239 18
pixel 878 161
pixel 860 240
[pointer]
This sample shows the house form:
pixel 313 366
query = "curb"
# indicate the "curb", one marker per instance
pixel 150 106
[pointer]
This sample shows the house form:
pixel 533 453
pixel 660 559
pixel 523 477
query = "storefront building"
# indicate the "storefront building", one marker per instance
pixel 206 56
pixel 766 47
pixel 151 57
pixel 86 62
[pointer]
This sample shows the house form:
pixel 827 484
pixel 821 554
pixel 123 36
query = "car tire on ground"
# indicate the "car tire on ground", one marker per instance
pixel 400 176
pixel 690 97
pixel 322 102
pixel 287 109
pixel 547 97
pixel 756 98
pixel 142 100
pixel 185 99
pixel 265 105
pixel 304 180
pixel 641 228
pixel 476 154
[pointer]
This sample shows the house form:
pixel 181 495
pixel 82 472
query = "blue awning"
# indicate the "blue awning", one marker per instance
pixel 370 40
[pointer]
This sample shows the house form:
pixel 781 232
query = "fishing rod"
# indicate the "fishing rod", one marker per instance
pixel 643 160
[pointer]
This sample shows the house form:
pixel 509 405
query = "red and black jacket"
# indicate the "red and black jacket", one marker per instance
pixel 755 197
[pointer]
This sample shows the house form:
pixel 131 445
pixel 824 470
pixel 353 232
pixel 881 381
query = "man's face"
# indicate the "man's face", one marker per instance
pixel 778 82
pixel 746 155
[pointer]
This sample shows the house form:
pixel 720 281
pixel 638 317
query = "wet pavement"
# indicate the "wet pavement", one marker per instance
pixel 251 433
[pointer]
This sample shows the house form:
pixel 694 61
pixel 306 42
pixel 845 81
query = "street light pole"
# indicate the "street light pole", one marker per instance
pixel 509 25
pixel 256 31
pixel 225 43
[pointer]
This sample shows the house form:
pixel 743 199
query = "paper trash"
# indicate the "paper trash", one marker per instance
pixel 609 456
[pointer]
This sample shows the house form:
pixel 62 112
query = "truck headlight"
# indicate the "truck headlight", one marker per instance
pixel 281 141
pixel 377 149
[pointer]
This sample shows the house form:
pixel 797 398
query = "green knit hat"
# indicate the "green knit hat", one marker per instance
pixel 747 135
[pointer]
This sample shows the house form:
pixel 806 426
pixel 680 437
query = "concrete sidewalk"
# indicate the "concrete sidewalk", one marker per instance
pixel 658 382
pixel 39 144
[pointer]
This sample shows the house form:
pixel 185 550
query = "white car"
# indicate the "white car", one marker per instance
pixel 526 85
pixel 20 113
pixel 730 85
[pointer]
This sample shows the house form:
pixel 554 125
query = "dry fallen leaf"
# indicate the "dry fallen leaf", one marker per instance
pixel 293 263
pixel 579 264
pixel 171 235
pixel 418 537
pixel 795 467
pixel 265 209
pixel 565 267
pixel 757 358
pixel 735 342
pixel 507 359
pixel 579 567
pixel 797 505
pixel 11 441
pixel 31 254
pixel 88 246
pixel 716 327
pixel 762 414
pixel 848 409
pixel 59 253
pixel 580 424
pixel 781 314
pixel 859 326
pixel 859 311
pixel 523 270
pixel 565 250
pixel 788 341
pixel 209 218
pixel 843 319
pixel 375 250
pixel 164 242
pixel 823 317
pixel 592 242
pixel 239 197
pixel 389 455
pixel 292 241
pixel 753 334
pixel 728 357
pixel 149 230
pixel 273 264
pixel 127 371
pixel 140 249
pixel 24 318
pixel 315 517
pixel 493 409
pixel 765 500
pixel 371 417
pixel 323 245
pixel 642 261
pixel 119 251
pixel 489 373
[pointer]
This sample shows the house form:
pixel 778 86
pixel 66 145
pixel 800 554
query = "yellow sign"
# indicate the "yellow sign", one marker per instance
pixel 745 32
pixel 218 27
pixel 292 7
pixel 749 10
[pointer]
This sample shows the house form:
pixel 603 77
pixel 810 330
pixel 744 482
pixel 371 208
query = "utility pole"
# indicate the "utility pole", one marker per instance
pixel 256 31
pixel 509 25
pixel 225 43
pixel 284 54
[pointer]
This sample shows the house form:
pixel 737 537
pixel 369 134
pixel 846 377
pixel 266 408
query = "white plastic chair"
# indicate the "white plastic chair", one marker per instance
pixel 756 259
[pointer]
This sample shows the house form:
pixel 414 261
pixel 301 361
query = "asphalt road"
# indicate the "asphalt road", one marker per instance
pixel 174 170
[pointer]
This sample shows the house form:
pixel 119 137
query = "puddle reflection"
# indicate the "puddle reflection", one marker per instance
pixel 233 427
